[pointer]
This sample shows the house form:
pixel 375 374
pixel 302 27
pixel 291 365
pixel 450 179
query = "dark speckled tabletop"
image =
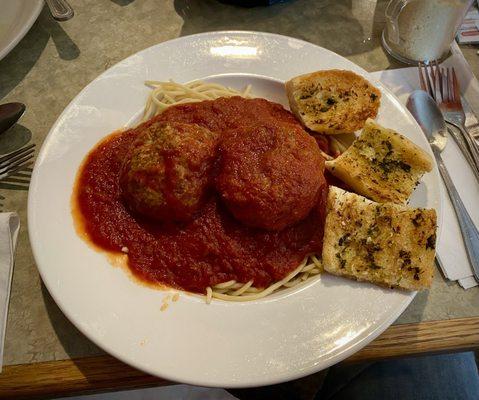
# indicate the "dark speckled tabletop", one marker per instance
pixel 56 60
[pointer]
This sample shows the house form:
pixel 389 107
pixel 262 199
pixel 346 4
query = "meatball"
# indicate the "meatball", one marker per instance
pixel 166 174
pixel 269 176
pixel 228 113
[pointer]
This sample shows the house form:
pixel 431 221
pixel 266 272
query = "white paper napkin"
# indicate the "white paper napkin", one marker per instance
pixel 9 227
pixel 450 247
pixel 467 283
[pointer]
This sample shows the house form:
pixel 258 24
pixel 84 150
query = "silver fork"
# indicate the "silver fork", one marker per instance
pixel 442 85
pixel 16 161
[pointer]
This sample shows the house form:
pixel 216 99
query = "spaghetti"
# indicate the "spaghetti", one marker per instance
pixel 167 94
pixel 234 291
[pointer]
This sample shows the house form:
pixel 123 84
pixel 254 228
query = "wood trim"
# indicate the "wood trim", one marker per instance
pixel 104 373
pixel 452 335
pixel 72 377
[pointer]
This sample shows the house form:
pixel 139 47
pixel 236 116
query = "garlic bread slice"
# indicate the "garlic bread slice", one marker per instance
pixel 332 101
pixel 386 244
pixel 381 165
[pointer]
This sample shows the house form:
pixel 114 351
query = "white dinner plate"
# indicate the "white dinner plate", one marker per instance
pixel 287 335
pixel 16 18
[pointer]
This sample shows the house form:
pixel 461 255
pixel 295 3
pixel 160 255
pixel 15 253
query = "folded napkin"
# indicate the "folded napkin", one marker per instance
pixel 450 248
pixel 9 227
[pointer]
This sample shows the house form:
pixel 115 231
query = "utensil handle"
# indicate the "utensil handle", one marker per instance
pixel 60 9
pixel 473 146
pixel 469 232
pixel 463 146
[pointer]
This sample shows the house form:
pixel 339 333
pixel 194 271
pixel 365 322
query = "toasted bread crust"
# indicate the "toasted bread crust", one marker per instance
pixel 381 164
pixel 332 101
pixel 386 244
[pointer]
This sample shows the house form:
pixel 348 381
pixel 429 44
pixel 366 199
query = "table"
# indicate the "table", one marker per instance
pixel 45 355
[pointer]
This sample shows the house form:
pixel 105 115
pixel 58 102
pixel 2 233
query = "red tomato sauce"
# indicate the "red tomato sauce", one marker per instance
pixel 212 248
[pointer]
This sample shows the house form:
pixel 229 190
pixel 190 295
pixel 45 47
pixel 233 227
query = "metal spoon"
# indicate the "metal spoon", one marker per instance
pixel 10 113
pixel 427 114
pixel 60 9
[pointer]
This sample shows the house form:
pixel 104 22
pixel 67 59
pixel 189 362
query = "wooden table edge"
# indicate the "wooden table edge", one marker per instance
pixel 103 373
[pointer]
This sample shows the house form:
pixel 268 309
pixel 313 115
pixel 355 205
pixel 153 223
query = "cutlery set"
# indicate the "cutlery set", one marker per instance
pixel 10 113
pixel 442 85
pixel 439 102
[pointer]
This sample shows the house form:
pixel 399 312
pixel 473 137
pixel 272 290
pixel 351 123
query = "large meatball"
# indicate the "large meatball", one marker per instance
pixel 270 176
pixel 166 174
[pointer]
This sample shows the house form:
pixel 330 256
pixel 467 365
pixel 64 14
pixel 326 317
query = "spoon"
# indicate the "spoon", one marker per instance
pixel 427 114
pixel 9 114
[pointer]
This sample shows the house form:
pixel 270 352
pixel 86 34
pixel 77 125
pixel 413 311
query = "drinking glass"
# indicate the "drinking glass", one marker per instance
pixel 422 30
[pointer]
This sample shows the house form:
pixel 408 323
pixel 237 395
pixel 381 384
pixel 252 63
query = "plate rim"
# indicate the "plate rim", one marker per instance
pixel 37 9
pixel 346 352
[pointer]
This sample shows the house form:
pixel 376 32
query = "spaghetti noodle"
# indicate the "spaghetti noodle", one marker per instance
pixel 167 94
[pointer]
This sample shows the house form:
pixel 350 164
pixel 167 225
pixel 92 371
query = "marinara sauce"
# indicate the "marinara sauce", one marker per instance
pixel 213 247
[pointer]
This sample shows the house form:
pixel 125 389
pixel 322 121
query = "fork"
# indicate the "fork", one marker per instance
pixel 442 85
pixel 16 161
